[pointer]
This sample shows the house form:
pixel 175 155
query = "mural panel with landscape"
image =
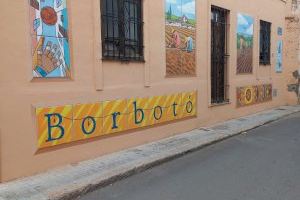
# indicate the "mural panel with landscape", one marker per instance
pixel 279 57
pixel 180 37
pixel 244 44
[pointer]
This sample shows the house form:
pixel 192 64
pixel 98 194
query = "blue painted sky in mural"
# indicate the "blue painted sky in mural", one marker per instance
pixel 245 25
pixel 187 8
pixel 50 33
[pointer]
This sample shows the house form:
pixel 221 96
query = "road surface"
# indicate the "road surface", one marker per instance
pixel 263 164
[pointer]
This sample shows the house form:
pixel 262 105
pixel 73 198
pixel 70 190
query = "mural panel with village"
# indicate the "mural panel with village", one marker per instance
pixel 244 44
pixel 180 37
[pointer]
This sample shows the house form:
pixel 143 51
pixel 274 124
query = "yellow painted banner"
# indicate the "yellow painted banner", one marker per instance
pixel 64 124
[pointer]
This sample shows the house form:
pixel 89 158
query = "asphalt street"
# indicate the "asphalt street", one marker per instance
pixel 262 164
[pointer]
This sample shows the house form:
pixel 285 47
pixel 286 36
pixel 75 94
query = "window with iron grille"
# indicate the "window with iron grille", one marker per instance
pixel 122 30
pixel 265 43
pixel 219 55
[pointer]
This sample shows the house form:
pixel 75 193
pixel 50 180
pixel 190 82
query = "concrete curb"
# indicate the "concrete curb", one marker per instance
pixel 72 181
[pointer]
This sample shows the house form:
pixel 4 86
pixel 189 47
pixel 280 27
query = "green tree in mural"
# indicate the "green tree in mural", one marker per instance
pixel 169 13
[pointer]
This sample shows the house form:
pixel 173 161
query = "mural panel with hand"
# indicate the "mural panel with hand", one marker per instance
pixel 51 54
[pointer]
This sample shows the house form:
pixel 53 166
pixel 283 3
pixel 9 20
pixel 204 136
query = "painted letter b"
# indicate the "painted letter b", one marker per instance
pixel 55 126
pixel 136 114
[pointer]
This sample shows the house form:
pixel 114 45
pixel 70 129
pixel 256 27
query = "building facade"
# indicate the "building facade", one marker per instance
pixel 81 79
pixel 292 48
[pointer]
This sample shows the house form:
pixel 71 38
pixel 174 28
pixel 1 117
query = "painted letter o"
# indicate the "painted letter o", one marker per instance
pixel 93 124
pixel 161 112
pixel 189 107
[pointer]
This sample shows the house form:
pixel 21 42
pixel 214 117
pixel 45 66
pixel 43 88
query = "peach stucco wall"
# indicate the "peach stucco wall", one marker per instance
pixel 94 80
pixel 292 46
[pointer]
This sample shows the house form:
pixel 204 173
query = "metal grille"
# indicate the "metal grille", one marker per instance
pixel 219 55
pixel 122 30
pixel 265 43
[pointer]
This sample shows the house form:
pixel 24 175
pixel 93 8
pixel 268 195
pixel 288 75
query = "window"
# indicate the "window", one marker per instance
pixel 219 55
pixel 295 4
pixel 265 43
pixel 122 36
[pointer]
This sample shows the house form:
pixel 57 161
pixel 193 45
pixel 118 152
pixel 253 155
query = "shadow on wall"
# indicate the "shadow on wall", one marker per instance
pixel 295 87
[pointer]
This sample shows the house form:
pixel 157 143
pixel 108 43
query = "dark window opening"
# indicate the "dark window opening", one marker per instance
pixel 265 43
pixel 122 30
pixel 219 55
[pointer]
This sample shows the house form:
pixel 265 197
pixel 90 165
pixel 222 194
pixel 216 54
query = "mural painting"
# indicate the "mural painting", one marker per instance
pixel 279 31
pixel 68 123
pixel 279 57
pixel 50 41
pixel 180 37
pixel 251 95
pixel 244 44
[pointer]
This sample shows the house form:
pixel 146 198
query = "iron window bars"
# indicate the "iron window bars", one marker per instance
pixel 219 55
pixel 122 30
pixel 265 43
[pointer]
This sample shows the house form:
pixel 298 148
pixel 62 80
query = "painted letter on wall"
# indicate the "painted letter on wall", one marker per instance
pixel 180 37
pixel 244 44
pixel 50 41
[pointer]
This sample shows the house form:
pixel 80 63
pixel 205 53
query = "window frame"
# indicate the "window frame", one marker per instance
pixel 122 54
pixel 265 52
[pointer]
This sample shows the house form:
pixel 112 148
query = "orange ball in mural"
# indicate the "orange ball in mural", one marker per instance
pixel 49 16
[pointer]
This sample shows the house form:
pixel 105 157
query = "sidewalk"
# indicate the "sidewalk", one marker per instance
pixel 71 181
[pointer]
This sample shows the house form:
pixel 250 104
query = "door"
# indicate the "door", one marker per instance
pixel 218 55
